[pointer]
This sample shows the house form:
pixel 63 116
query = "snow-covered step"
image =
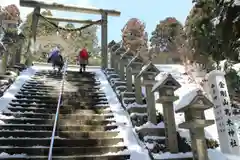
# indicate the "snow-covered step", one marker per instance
pixel 44 96
pixel 62 127
pixel 53 106
pixel 39 110
pixel 51 101
pixel 59 141
pixel 62 151
pixel 61 121
pixel 62 134
pixel 49 90
pixel 64 110
pixel 83 114
pixel 110 156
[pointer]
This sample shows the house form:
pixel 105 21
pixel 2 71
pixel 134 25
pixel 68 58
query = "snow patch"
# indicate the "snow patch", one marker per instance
pixel 168 155
pixel 153 137
pixel 151 125
pixel 138 114
pixel 6 155
pixel 132 105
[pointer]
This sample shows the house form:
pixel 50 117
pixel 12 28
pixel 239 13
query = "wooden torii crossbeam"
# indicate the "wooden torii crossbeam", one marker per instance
pixel 38 5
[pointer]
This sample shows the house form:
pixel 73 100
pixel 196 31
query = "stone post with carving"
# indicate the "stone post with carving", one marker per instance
pixel 227 131
pixel 149 72
pixel 195 121
pixel 166 87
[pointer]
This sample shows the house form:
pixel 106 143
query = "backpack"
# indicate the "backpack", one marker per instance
pixel 83 54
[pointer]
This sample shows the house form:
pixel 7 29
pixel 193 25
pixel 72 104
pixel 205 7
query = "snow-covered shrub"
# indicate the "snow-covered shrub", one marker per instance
pixel 211 143
pixel 159 117
pixel 138 119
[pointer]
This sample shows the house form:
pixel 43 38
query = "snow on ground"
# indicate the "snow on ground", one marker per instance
pixel 150 125
pixel 213 154
pixel 188 86
pixel 127 131
pixel 135 146
pixel 6 155
pixel 15 87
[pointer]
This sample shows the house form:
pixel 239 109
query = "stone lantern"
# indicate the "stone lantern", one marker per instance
pixel 195 121
pixel 136 65
pixel 166 87
pixel 149 72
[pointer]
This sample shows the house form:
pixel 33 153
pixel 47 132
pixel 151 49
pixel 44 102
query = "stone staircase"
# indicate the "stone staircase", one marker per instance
pixel 86 127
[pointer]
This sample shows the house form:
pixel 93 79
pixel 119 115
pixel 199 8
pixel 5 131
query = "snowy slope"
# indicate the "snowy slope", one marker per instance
pixel 15 87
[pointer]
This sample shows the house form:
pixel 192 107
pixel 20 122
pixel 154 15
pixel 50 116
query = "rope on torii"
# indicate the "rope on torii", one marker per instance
pixel 69 29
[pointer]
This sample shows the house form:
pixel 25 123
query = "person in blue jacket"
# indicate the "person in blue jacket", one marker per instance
pixel 56 59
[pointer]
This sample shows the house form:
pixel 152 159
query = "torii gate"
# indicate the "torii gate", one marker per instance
pixel 37 5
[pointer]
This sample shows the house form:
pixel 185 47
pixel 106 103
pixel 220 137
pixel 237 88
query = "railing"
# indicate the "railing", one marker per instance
pixel 57 112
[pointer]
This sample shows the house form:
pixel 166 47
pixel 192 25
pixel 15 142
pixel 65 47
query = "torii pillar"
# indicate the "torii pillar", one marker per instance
pixel 104 41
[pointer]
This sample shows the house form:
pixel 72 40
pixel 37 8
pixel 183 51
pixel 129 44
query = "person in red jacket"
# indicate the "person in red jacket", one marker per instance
pixel 83 59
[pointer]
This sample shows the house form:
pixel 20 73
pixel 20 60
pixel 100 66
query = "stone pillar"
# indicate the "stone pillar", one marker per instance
pixel 118 54
pixel 104 40
pixel 129 79
pixel 112 55
pixel 136 65
pixel 151 109
pixel 195 121
pixel 166 87
pixel 198 144
pixel 121 70
pixel 113 50
pixel 138 90
pixel 149 72
pixel 116 65
pixel 126 57
pixel 227 131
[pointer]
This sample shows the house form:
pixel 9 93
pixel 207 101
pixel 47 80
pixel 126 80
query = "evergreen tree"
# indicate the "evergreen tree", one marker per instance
pixel 165 34
pixel 212 31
